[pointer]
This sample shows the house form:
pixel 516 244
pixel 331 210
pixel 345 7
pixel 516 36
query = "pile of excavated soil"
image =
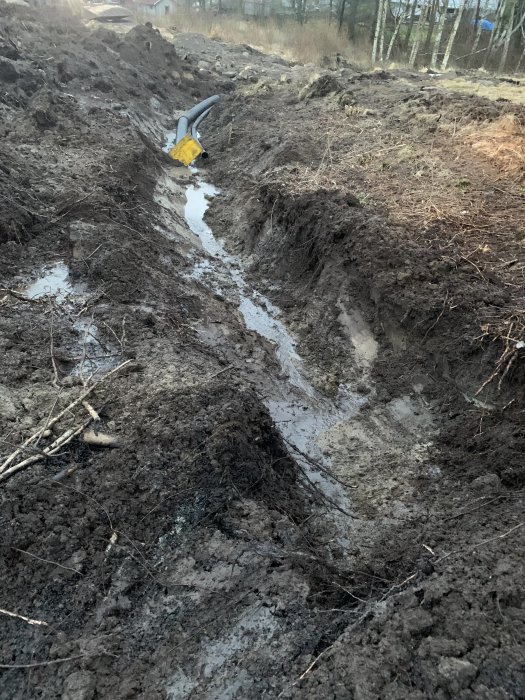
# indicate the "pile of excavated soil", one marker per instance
pixel 182 557
pixel 319 218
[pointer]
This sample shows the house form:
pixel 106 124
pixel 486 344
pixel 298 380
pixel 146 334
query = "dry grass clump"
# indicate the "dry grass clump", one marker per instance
pixel 508 91
pixel 503 142
pixel 307 43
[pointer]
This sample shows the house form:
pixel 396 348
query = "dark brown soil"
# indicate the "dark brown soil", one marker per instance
pixel 303 217
pixel 194 559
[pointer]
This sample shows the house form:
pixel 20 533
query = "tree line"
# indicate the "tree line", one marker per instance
pixel 486 34
pixel 474 33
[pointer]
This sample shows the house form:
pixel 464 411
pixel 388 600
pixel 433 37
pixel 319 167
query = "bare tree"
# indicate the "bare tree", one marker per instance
pixel 419 33
pixel 398 21
pixel 410 27
pixel 433 11
pixel 342 5
pixel 479 16
pixel 450 44
pixel 508 35
pixel 378 30
pixel 522 57
pixel 439 35
pixel 495 34
pixel 382 32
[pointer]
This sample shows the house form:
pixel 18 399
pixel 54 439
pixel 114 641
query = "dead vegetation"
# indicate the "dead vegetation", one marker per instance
pixel 451 186
pixel 308 43
pixel 503 143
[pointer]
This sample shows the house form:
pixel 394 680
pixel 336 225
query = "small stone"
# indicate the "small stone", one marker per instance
pixel 456 674
pixel 102 85
pixel 43 111
pixel 70 381
pixel 487 483
pixel 80 685
pixel 418 622
pixel 7 406
pixel 8 73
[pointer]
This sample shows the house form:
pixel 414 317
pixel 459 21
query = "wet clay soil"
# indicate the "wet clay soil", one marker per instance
pixel 305 496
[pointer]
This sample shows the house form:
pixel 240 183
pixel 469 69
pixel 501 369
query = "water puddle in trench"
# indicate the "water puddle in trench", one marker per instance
pixel 91 355
pixel 53 281
pixel 300 412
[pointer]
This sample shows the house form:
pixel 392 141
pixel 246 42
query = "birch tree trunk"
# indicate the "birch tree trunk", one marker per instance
pixel 450 44
pixel 439 35
pixel 508 36
pixel 410 24
pixel 431 24
pixel 522 58
pixel 477 37
pixel 494 35
pixel 399 22
pixel 382 31
pixel 419 33
pixel 522 43
pixel 377 32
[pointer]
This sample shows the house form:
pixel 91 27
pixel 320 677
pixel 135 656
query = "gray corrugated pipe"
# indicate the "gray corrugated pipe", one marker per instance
pixel 195 127
pixel 191 116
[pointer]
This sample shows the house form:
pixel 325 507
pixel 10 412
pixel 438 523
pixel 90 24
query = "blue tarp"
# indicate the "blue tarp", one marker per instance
pixel 486 26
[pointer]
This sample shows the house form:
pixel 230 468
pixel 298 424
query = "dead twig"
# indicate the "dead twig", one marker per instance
pixel 438 318
pixel 29 620
pixel 89 408
pixel 317 465
pixel 50 423
pixel 47 561
pixel 52 449
pixel 317 491
pixel 480 544
pixel 46 432
pixel 221 371
pixel 56 381
pixel 18 295
pixel 473 510
pixel 51 662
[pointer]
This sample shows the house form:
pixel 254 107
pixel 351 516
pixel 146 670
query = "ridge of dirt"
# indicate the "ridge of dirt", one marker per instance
pixel 431 284
pixel 193 537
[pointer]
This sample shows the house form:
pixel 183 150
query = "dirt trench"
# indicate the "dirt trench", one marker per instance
pixel 305 496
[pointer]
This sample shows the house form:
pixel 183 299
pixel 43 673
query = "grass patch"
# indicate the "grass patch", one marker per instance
pixel 507 91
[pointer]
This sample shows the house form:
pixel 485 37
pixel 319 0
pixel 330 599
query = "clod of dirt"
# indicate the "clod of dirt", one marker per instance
pixel 8 72
pixel 43 110
pixel 321 87
pixel 9 50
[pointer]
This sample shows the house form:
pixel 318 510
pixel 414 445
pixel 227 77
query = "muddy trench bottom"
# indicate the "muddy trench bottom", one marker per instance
pixel 302 415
